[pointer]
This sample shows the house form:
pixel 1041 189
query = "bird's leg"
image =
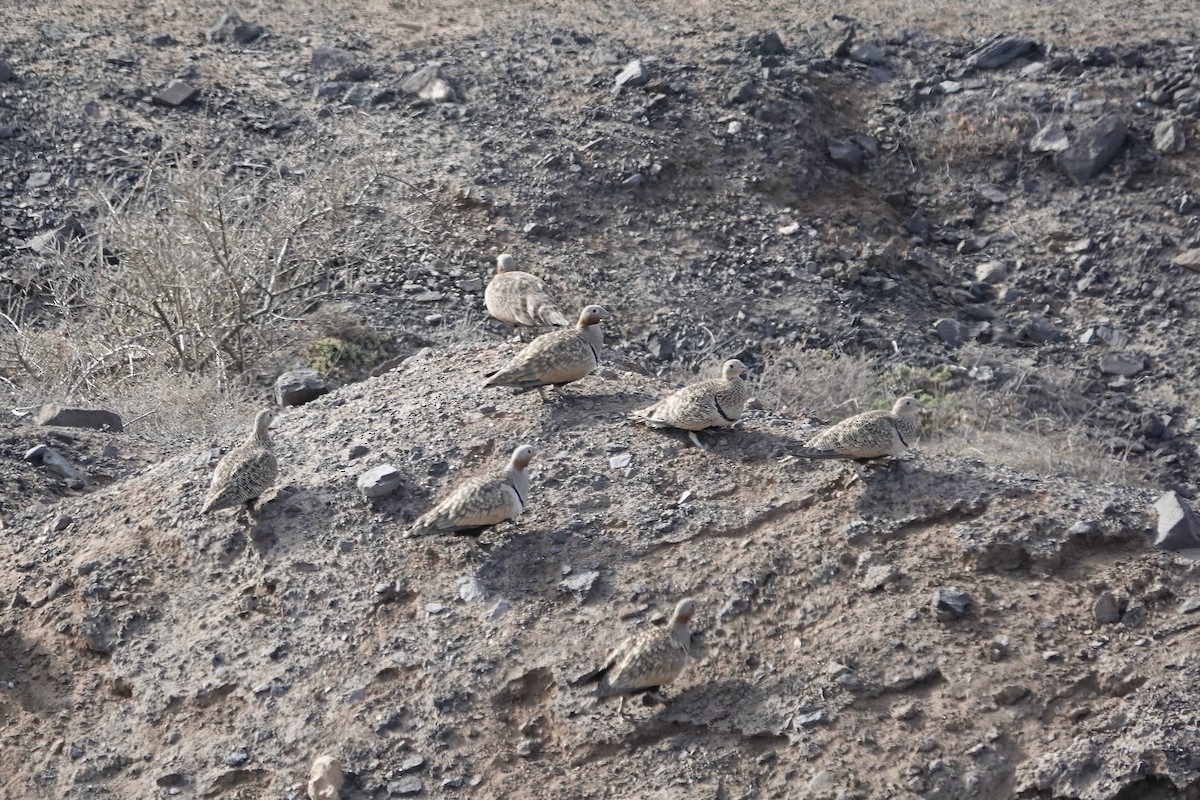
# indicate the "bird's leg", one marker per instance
pixel 695 440
pixel 542 392
pixel 621 706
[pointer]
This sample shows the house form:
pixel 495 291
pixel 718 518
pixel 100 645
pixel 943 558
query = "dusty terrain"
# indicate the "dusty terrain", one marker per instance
pixel 148 652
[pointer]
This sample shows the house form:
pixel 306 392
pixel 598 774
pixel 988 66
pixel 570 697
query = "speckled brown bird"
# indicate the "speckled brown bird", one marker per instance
pixel 872 434
pixel 521 299
pixel 555 358
pixel 646 660
pixel 713 403
pixel 246 471
pixel 482 501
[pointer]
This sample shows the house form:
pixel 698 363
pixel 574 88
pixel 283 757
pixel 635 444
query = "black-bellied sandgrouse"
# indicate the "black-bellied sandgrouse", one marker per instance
pixel 521 299
pixel 872 434
pixel 482 501
pixel 555 358
pixel 713 403
pixel 246 471
pixel 647 660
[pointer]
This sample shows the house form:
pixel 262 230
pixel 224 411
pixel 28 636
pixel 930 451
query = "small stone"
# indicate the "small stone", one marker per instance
pixel 580 584
pixel 997 649
pixel 1093 149
pixel 1107 609
pixel 379 481
pixel 742 93
pixel 237 757
pixel 410 762
pixel 879 576
pixel 660 346
pixel 1050 139
pixel 620 461
pixel 408 785
pixel 6 73
pixel 171 779
pixel 527 748
pixel 903 711
pixel 809 718
pixel 94 418
pixel 823 781
pixel 470 590
pixel 325 779
pixel 951 331
pixel 765 44
pixel 997 53
pixel 1169 137
pixel 61 522
pixel 499 610
pixel 175 94
pixel 867 53
pixel 1010 695
pixel 357 451
pixel 845 153
pixel 950 604
pixel 1188 259
pixel 634 74
pixel 231 28
pixel 37 180
pixel 299 386
pixel 1190 605
pixel 991 272
pixel 1124 364
pixel 1178 527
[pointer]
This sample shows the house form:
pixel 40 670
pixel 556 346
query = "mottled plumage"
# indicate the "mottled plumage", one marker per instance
pixel 713 403
pixel 872 434
pixel 519 298
pixel 556 358
pixel 647 659
pixel 246 471
pixel 482 501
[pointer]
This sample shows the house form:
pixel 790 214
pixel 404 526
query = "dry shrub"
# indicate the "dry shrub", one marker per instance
pixel 196 271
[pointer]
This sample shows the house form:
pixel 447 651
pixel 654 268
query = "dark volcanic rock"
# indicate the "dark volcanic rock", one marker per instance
pixel 1178 527
pixel 298 387
pixel 1092 151
pixel 176 93
pixel 1001 51
pixel 98 419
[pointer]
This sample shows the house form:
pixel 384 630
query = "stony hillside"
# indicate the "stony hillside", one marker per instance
pixel 150 651
pixel 991 206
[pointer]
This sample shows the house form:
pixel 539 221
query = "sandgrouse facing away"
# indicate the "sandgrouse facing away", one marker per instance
pixel 482 501
pixel 555 358
pixel 872 434
pixel 521 299
pixel 713 403
pixel 246 471
pixel 646 660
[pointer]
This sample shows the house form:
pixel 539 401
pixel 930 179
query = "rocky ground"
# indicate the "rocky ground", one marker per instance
pixel 995 209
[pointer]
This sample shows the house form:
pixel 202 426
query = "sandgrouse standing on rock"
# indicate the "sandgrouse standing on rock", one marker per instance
pixel 646 660
pixel 479 502
pixel 872 434
pixel 707 404
pixel 246 471
pixel 555 358
pixel 521 299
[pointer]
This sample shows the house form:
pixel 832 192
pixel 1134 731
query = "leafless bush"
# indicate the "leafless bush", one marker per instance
pixel 196 271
